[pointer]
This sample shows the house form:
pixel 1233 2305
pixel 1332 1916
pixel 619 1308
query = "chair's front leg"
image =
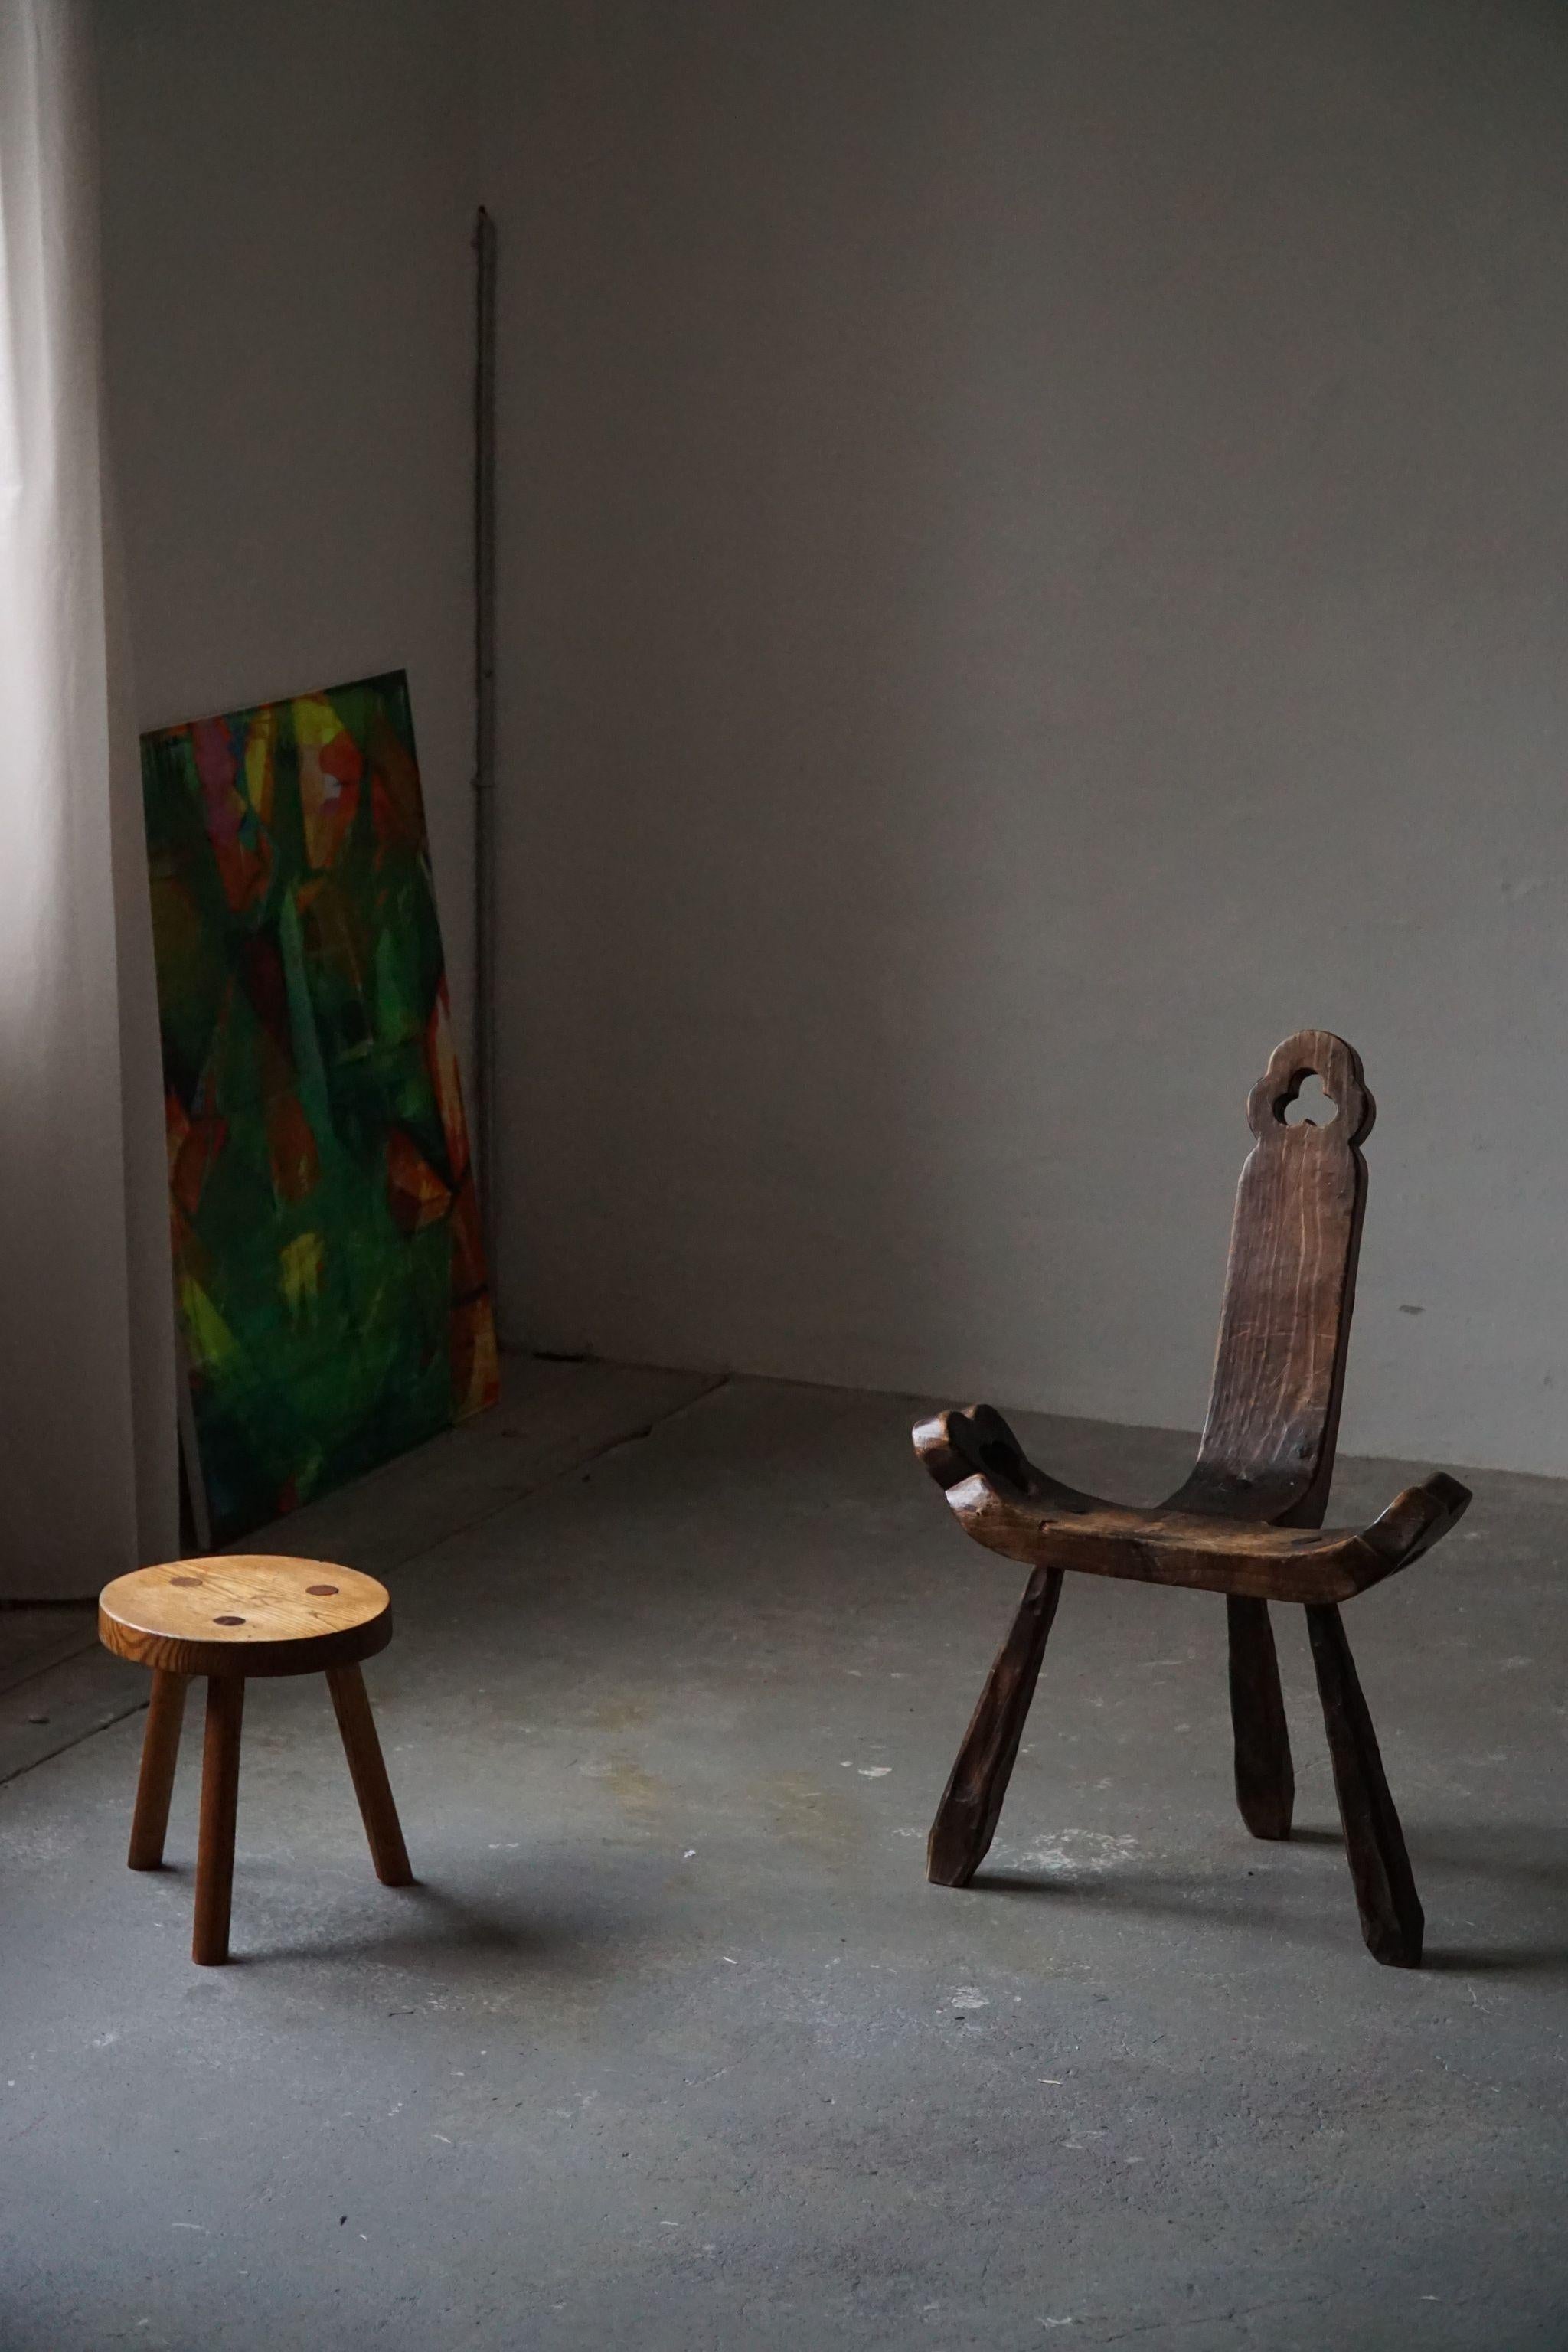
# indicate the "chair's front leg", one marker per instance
pixel 1265 1783
pixel 1391 1916
pixel 971 1806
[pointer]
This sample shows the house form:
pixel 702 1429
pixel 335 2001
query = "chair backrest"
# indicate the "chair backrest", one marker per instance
pixel 1268 1448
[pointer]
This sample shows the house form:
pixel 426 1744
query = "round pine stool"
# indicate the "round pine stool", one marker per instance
pixel 229 1618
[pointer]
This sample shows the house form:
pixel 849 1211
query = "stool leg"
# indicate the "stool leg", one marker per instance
pixel 1265 1783
pixel 971 1803
pixel 160 1754
pixel 1392 1921
pixel 220 1800
pixel 367 1770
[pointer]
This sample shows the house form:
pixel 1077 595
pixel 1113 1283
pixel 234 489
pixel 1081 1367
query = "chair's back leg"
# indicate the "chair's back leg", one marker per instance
pixel 1265 1783
pixel 971 1804
pixel 1391 1916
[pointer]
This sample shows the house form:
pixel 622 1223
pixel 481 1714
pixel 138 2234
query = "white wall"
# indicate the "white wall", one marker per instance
pixel 1034 563
pixel 287 193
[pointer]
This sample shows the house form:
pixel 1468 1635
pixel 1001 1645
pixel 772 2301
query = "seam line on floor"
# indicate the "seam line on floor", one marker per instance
pixel 524 1495
pixel 527 1494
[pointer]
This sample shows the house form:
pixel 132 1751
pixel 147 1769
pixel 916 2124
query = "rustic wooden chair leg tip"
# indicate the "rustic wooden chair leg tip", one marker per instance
pixel 944 1869
pixel 971 1807
pixel 1247 1522
pixel 951 1856
pixel 1392 1921
pixel 1265 1779
pixel 230 1618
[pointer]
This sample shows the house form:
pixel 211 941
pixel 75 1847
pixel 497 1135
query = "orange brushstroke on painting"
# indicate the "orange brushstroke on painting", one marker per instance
pixel 441 1057
pixel 418 1195
pixel 475 1372
pixel 292 1148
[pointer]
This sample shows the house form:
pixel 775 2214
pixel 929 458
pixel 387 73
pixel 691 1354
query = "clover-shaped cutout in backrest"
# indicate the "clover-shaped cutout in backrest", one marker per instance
pixel 1312 1089
pixel 1310 1106
pixel 1268 1440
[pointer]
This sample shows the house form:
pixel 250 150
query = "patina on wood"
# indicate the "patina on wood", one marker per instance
pixel 1246 1521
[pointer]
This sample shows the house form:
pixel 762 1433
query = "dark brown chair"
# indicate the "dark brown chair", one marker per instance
pixel 1249 1522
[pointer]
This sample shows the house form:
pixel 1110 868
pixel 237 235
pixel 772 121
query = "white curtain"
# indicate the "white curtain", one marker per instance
pixel 87 1445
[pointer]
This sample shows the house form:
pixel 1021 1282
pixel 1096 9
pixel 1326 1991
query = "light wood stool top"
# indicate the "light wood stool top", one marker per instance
pixel 231 1618
pixel 245 1613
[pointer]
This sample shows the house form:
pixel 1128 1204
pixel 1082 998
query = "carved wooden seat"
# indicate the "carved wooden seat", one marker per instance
pixel 1247 1522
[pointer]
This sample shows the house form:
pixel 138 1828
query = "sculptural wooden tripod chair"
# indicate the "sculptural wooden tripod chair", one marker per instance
pixel 1249 1522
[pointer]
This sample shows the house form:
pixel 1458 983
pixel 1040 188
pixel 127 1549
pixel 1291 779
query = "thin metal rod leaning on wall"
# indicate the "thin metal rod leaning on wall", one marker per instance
pixel 484 245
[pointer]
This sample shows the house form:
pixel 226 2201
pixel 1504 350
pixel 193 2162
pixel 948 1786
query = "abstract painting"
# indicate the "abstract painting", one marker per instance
pixel 329 1272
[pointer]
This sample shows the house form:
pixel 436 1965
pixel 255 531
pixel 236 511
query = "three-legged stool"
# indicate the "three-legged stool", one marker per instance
pixel 230 1618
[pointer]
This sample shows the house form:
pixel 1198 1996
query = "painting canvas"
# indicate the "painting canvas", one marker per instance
pixel 329 1273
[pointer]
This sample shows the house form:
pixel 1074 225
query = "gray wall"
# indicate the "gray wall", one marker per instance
pixel 287 198
pixel 1034 550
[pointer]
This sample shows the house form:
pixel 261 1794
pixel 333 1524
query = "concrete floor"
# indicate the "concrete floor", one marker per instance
pixel 674 2049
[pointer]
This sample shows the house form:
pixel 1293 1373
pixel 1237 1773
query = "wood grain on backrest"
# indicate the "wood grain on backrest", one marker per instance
pixel 1268 1448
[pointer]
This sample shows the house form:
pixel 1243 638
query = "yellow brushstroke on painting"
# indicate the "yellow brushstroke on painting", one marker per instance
pixel 300 1262
pixel 209 1337
pixel 327 799
pixel 259 744
pixel 316 723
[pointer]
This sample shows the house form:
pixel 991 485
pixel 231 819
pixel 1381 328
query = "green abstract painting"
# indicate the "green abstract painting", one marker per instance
pixel 329 1273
